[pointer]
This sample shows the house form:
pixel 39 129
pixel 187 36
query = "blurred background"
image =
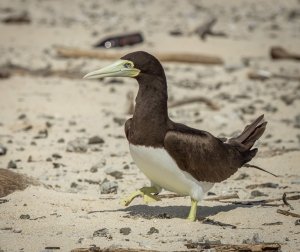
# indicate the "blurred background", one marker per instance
pixel 226 62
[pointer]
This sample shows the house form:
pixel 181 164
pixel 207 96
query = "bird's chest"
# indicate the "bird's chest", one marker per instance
pixel 160 168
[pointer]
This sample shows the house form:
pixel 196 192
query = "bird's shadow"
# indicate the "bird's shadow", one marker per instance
pixel 149 212
pixel 167 212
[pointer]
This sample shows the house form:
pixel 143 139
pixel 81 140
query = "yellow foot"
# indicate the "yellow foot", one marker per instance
pixel 193 211
pixel 145 192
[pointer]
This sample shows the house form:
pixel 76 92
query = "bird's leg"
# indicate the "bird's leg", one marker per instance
pixel 145 192
pixel 193 211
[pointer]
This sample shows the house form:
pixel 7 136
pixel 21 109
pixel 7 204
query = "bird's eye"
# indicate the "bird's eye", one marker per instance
pixel 127 65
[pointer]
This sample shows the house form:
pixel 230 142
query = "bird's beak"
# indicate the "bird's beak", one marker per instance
pixel 121 68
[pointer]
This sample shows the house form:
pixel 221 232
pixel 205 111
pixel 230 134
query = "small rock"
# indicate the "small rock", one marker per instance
pixel 107 187
pixel 242 176
pixel 297 222
pixel 97 166
pixel 74 185
pixel 152 231
pixel 56 165
pixel 103 232
pixel 126 167
pixel 12 165
pixel 49 159
pixel 114 173
pixel 61 140
pixel 119 121
pixel 257 193
pixel 77 145
pixel 25 216
pixel 125 230
pixel 42 134
pixel 17 230
pixel 95 140
pixel 56 156
pixel 3 150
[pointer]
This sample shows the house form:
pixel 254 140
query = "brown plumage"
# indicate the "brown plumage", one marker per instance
pixel 198 152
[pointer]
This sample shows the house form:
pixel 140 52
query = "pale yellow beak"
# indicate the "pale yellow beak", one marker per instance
pixel 121 68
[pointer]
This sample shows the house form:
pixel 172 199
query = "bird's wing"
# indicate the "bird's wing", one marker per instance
pixel 205 157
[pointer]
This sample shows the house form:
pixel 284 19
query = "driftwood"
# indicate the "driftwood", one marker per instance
pixel 235 247
pixel 206 29
pixel 287 213
pixel 266 75
pixel 98 249
pixel 195 58
pixel 278 53
pixel 10 69
pixel 202 99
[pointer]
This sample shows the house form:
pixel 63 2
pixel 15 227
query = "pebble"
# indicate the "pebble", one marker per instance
pixel 125 230
pixel 107 187
pixel 56 155
pixel 103 232
pixel 25 216
pixel 12 165
pixel 114 173
pixel 297 222
pixel 95 140
pixel 3 150
pixel 257 193
pixel 153 230
pixel 61 140
pixel 17 230
pixel 79 145
pixel 97 166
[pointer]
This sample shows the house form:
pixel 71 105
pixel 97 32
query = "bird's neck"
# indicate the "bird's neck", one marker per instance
pixel 151 111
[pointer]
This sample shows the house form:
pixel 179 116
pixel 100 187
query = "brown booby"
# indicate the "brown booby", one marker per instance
pixel 173 156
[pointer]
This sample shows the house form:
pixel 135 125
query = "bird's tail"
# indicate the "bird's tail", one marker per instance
pixel 248 137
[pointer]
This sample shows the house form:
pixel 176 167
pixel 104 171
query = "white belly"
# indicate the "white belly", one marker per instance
pixel 162 170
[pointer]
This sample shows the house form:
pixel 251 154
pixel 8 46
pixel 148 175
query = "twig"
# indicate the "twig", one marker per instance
pixel 266 75
pixel 224 197
pixel 217 223
pixel 68 52
pixel 278 52
pixel 235 247
pixel 205 29
pixel 185 101
pixel 259 168
pixel 98 249
pixel 285 201
pixel 287 213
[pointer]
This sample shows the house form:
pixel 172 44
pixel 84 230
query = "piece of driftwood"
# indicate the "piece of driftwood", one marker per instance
pixel 266 75
pixel 217 223
pixel 11 181
pixel 278 53
pixel 224 197
pixel 235 247
pixel 287 213
pixel 9 69
pixel 263 202
pixel 194 58
pixel 284 199
pixel 98 249
pixel 190 100
pixel 205 29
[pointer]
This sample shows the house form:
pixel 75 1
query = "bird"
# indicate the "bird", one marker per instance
pixel 173 156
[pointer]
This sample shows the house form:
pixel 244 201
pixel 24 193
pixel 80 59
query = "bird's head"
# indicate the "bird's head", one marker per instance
pixel 135 65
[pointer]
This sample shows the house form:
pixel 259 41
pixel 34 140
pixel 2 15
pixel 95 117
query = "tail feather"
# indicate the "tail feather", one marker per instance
pixel 250 135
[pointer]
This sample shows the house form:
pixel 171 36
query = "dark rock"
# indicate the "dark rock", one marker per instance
pixel 49 159
pixel 107 187
pixel 3 150
pixel 126 167
pixel 74 185
pixel 56 165
pixel 257 193
pixel 56 156
pixel 297 222
pixel 95 140
pixel 103 232
pixel 25 216
pixel 12 165
pixel 163 216
pixel 114 173
pixel 242 176
pixel 61 140
pixel 263 185
pixel 119 121
pixel 211 194
pixel 77 145
pixel 125 230
pixel 42 134
pixel 152 231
